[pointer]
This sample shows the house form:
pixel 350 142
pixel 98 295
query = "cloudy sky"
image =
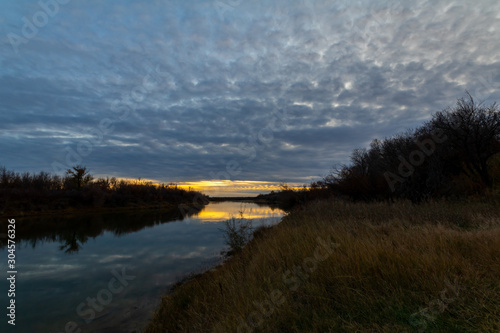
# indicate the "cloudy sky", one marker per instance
pixel 261 91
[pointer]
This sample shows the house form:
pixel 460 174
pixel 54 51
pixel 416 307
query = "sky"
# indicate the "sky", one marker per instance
pixel 242 95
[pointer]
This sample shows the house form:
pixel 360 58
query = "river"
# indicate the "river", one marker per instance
pixel 107 272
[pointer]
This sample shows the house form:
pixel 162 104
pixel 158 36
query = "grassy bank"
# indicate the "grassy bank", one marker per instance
pixel 343 267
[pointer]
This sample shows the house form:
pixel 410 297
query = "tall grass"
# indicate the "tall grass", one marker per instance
pixel 345 267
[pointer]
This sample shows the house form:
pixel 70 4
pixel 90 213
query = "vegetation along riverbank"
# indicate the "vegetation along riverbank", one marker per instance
pixel 23 194
pixel 406 238
pixel 334 266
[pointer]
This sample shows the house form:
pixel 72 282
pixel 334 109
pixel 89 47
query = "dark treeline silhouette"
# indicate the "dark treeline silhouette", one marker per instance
pixel 39 192
pixel 455 154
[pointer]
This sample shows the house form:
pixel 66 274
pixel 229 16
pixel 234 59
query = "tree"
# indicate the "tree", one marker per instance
pixel 79 175
pixel 473 133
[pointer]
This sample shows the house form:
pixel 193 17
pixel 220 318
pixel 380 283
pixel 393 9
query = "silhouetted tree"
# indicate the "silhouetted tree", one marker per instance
pixel 473 133
pixel 79 175
pixel 426 162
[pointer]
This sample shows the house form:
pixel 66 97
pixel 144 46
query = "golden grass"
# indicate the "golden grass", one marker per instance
pixel 386 268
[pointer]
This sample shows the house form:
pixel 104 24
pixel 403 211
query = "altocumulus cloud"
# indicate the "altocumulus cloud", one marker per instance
pixel 283 90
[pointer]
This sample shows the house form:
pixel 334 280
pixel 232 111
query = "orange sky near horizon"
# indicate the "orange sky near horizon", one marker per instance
pixel 227 188
pixel 234 188
pixel 223 188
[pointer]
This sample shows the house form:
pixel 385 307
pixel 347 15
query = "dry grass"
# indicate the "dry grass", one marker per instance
pixel 390 268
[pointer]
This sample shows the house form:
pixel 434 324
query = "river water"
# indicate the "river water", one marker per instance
pixel 107 272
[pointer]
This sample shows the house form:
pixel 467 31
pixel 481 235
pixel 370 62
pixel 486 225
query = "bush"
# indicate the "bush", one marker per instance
pixel 237 233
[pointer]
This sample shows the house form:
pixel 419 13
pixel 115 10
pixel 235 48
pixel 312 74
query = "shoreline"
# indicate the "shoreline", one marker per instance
pixel 99 210
pixel 388 261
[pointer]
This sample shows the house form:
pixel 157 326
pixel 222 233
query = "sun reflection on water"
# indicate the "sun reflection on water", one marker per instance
pixel 221 211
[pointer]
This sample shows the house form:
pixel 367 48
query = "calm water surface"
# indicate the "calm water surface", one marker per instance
pixel 122 262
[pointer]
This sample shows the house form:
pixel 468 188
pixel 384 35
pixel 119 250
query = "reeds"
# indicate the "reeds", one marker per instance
pixel 347 267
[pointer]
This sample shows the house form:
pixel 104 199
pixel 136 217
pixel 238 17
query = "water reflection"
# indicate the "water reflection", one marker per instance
pixel 74 243
pixel 73 232
pixel 58 269
pixel 221 211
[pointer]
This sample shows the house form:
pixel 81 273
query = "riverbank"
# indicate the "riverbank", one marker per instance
pixel 41 193
pixel 342 267
pixel 183 208
pixel 72 211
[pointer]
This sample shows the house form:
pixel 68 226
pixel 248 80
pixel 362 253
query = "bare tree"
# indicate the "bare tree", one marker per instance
pixel 473 132
pixel 79 175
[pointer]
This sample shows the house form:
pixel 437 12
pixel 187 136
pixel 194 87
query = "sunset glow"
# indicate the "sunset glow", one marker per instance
pixel 227 188
pixel 278 166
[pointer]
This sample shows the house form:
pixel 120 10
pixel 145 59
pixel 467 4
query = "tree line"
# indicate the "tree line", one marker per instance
pixel 42 191
pixel 454 154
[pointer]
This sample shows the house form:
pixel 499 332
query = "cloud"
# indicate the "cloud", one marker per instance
pixel 283 89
